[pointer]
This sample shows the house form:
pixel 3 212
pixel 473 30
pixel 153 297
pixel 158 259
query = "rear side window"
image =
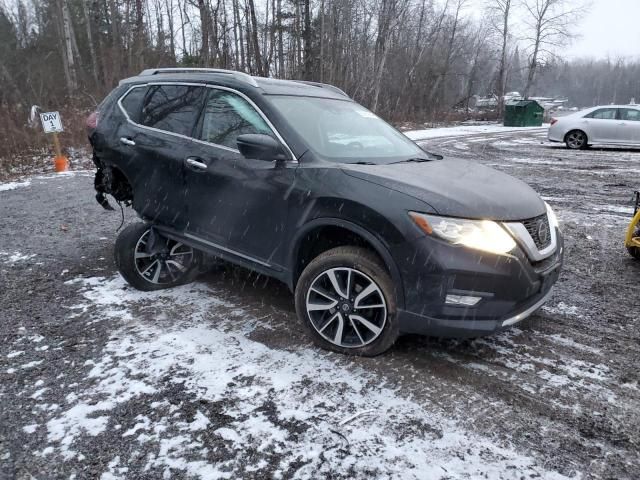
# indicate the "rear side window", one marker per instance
pixel 173 108
pixel 132 103
pixel 227 116
pixel 630 114
pixel 604 114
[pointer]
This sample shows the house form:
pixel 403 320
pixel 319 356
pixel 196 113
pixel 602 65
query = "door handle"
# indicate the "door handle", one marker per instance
pixel 127 141
pixel 195 163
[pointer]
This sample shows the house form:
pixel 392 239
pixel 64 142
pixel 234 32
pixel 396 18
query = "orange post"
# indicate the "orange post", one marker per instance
pixel 60 162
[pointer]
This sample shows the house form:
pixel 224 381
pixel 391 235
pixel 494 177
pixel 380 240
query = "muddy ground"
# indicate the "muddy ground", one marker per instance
pixel 217 379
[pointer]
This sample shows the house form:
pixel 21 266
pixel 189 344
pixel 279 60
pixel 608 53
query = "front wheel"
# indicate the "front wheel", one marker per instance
pixel 576 140
pixel 149 261
pixel 346 300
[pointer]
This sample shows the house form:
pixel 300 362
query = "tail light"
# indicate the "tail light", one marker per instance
pixel 554 121
pixel 92 121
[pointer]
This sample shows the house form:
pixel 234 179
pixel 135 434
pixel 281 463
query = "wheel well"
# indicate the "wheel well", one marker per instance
pixel 325 238
pixel 111 180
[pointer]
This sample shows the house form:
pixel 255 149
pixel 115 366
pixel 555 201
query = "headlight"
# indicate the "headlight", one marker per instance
pixel 484 235
pixel 553 220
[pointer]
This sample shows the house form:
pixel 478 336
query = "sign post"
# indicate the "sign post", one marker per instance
pixel 52 123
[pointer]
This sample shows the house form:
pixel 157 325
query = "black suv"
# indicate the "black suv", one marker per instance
pixel 296 181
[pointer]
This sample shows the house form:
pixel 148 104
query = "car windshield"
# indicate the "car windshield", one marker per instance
pixel 343 131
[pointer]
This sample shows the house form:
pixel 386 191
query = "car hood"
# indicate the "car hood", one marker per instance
pixel 457 188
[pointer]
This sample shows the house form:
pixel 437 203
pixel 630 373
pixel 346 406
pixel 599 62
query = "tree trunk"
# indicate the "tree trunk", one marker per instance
pixel 236 15
pixel 281 72
pixel 92 50
pixel 255 40
pixel 116 49
pixel 308 61
pixel 533 65
pixel 139 36
pixel 67 32
pixel 321 41
pixel 204 26
pixel 172 42
pixel 502 67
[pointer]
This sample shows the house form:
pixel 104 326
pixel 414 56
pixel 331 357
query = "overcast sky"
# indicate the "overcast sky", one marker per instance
pixel 611 27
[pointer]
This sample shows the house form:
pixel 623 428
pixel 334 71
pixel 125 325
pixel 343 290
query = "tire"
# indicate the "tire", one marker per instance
pixel 576 140
pixel 342 323
pixel 173 264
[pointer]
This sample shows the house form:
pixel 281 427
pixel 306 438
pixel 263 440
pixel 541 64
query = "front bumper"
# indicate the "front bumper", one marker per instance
pixel 511 287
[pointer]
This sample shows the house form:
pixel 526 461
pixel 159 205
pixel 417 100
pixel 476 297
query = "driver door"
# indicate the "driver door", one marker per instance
pixel 235 204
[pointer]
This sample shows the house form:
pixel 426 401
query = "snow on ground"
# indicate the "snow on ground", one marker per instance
pixel 14 257
pixel 13 185
pixel 302 408
pixel 28 180
pixel 465 130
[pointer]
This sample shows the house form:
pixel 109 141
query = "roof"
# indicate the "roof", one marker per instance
pixel 523 103
pixel 232 78
pixel 628 105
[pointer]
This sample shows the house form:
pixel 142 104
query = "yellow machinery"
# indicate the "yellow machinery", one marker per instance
pixel 632 241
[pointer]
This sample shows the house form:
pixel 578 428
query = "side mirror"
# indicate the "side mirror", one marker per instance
pixel 257 146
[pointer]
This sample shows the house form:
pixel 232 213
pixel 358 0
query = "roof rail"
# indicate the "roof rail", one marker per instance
pixel 323 85
pixel 238 75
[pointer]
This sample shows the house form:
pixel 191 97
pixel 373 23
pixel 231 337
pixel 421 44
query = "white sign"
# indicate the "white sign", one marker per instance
pixel 51 122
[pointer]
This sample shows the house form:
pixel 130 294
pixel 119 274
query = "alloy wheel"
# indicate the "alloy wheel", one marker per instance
pixel 576 140
pixel 346 307
pixel 168 264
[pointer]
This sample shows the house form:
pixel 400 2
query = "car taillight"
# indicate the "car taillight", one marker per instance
pixel 92 121
pixel 554 121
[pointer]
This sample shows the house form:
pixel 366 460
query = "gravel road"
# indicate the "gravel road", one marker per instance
pixel 217 379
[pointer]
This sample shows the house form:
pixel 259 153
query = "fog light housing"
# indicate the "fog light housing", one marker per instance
pixel 462 300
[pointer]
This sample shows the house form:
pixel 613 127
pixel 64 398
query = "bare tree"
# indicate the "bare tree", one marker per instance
pixel 549 23
pixel 499 13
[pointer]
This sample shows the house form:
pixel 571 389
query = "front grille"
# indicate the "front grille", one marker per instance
pixel 540 231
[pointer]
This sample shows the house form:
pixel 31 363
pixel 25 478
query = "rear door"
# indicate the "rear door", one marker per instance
pixel 155 141
pixel 601 125
pixel 629 126
pixel 237 204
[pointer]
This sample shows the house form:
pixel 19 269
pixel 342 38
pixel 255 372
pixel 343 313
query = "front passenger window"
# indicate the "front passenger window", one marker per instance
pixel 227 116
pixel 630 114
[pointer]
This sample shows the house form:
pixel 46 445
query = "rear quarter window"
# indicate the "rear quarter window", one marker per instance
pixel 132 103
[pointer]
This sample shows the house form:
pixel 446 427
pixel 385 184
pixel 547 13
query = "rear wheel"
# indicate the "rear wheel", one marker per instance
pixel 576 140
pixel 149 261
pixel 345 298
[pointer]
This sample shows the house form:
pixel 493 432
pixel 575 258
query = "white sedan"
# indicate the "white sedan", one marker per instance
pixel 613 124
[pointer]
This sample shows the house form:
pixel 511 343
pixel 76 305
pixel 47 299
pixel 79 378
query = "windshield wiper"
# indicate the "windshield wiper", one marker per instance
pixel 362 163
pixel 413 160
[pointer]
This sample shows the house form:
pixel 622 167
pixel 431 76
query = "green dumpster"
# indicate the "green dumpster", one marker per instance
pixel 523 113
